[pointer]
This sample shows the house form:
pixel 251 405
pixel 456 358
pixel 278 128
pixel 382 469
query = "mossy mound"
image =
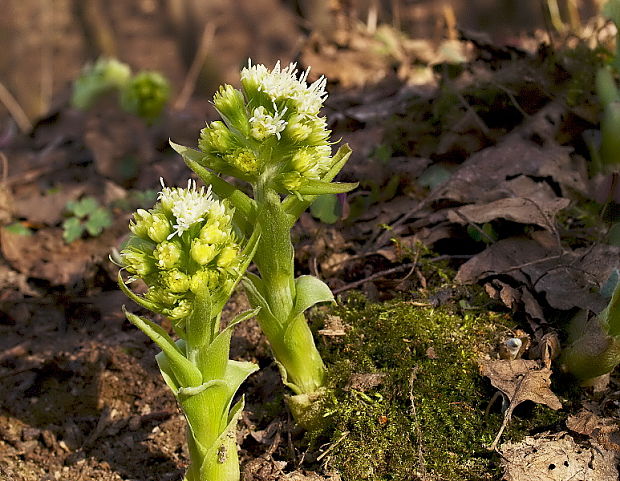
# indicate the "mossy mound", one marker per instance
pixel 424 410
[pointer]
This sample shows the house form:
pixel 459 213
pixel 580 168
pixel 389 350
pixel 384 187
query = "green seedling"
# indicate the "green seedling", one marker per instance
pixel 187 252
pixel 144 94
pixel 594 341
pixel 86 215
pixel 104 76
pixel 271 136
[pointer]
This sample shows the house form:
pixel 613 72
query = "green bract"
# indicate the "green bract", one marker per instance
pixel 271 130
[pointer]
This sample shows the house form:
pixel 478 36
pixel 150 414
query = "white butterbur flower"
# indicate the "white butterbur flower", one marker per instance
pixel 309 100
pixel 264 125
pixel 188 206
pixel 282 83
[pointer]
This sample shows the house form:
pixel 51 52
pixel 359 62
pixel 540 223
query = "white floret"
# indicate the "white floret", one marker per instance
pixel 263 124
pixel 188 206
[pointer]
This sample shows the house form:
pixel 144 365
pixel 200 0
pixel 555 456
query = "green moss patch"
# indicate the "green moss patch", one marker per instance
pixel 407 396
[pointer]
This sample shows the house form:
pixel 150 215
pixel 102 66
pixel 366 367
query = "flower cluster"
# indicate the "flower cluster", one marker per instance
pixel 146 95
pixel 184 243
pixel 271 127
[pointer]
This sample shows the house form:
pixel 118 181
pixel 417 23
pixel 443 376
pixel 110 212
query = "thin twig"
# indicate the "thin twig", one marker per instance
pixel 374 276
pixel 16 111
pixel 191 78
pixel 328 450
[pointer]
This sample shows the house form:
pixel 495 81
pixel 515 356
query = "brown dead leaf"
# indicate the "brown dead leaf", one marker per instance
pixel 515 209
pixel 566 279
pixel 45 255
pixel 43 207
pixel 603 430
pixel 508 160
pixel 520 380
pixel 556 457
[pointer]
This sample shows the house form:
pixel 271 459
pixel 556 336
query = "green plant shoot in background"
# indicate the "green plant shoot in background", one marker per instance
pixel 271 136
pixel 187 252
pixel 144 94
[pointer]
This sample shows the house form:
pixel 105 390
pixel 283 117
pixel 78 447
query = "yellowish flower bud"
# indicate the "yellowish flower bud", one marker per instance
pixel 231 105
pixel 160 228
pixel 212 234
pixel 175 280
pixel 137 262
pixel 303 160
pixel 180 311
pixel 216 137
pixel 244 160
pixel 291 181
pixel 202 252
pixel 227 256
pixel 167 254
pixel 296 129
pixel 208 278
pixel 140 223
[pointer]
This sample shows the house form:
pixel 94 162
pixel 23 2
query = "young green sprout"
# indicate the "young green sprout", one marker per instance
pixel 272 136
pixel 95 80
pixel 186 251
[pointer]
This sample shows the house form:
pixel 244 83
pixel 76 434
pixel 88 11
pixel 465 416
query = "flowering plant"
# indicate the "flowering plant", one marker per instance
pixel 185 249
pixel 272 136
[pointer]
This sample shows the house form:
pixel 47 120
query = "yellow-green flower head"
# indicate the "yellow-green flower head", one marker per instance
pixel 107 74
pixel 271 129
pixel 185 243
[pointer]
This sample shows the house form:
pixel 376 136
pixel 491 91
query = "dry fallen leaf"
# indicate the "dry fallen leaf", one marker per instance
pixel 515 209
pixel 603 430
pixel 566 279
pixel 520 380
pixel 556 458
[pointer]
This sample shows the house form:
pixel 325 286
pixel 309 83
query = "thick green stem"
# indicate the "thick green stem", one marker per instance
pixel 288 332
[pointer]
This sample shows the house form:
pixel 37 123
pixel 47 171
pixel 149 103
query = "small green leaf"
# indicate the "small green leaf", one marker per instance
pixel 310 290
pixel 97 221
pixel 72 229
pixel 18 228
pixel 83 207
pixel 325 208
pixel 318 187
